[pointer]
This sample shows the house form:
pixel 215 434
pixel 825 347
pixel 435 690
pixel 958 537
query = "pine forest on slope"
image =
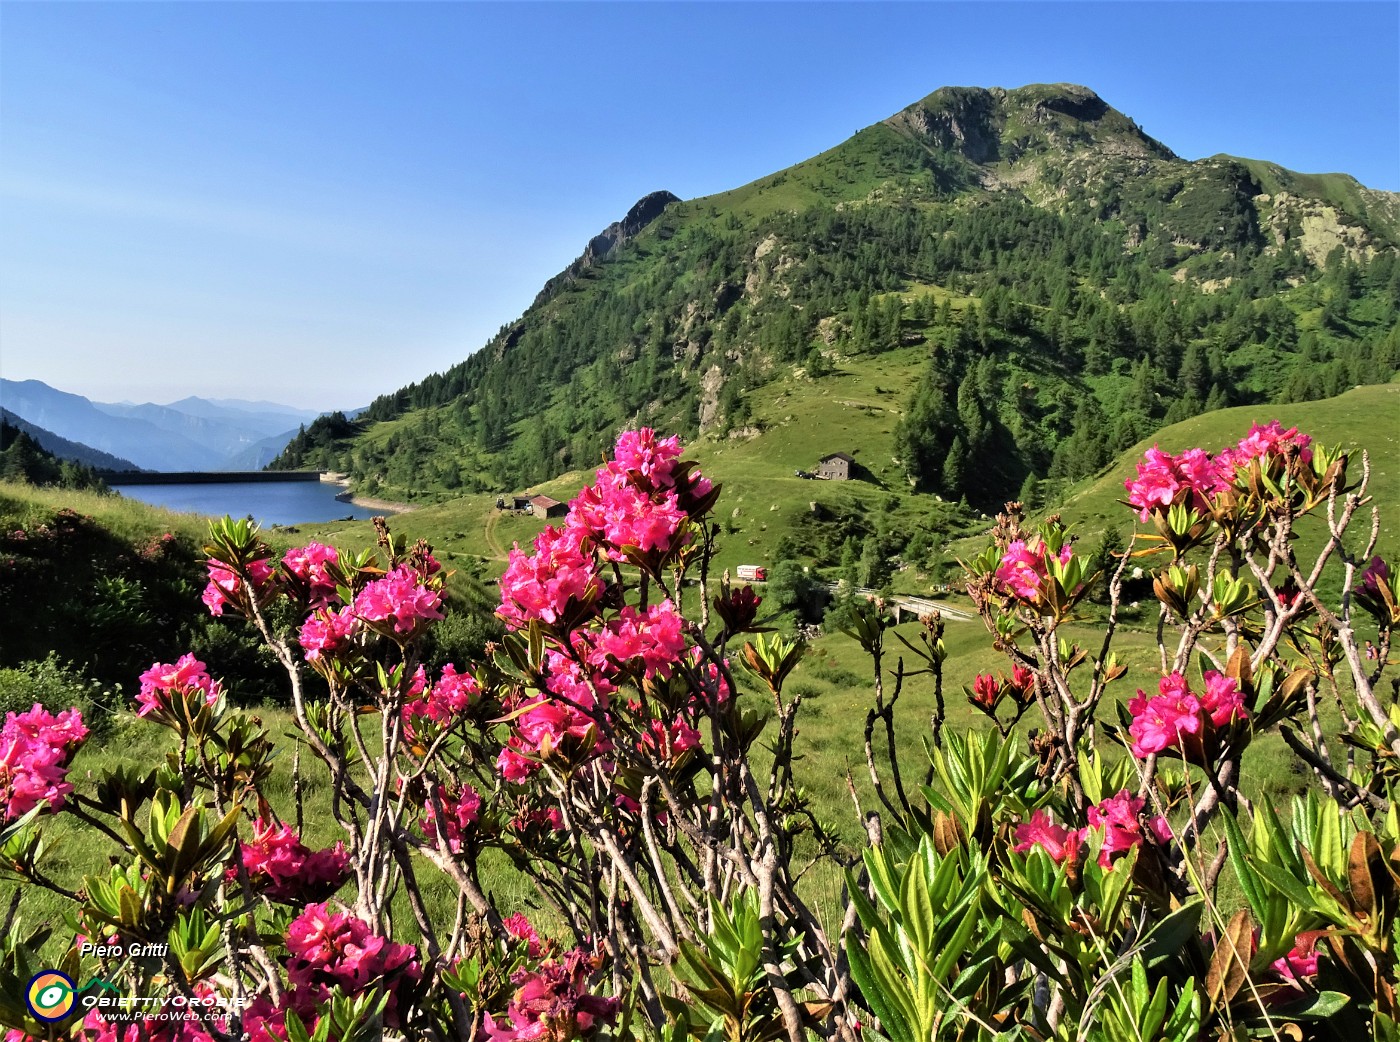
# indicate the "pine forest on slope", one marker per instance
pixel 1050 284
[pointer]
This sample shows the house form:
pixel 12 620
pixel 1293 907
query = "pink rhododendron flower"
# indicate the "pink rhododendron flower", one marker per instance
pixel 326 632
pixel 653 638
pixel 308 564
pixel 986 690
pixel 461 806
pixel 326 949
pixel 519 927
pixel 1194 477
pixel 400 598
pixel 562 716
pixel 644 459
pixel 544 584
pixel 1162 479
pixel 1156 485
pixel 448 699
pixel 670 739
pixel 283 868
pixel 1118 817
pixel 265 1022
pixel 1301 959
pixel 515 767
pixel 1223 700
pixel 550 819
pixel 639 501
pixel 621 515
pixel 225 587
pixel 185 677
pixel 143 1028
pixel 1056 840
pixel 552 1002
pixel 36 748
pixel 1268 440
pixel 1160 721
pixel 1023 567
pixel 712 682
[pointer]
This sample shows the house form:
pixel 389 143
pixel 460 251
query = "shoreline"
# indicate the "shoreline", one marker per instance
pixel 370 503
pixel 365 502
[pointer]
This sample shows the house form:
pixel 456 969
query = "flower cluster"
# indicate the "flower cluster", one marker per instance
pixel 1120 818
pixel 1163 721
pixel 328 949
pixel 461 806
pixel 440 705
pixel 1195 477
pixel 283 868
pixel 562 723
pixel 399 601
pixel 637 510
pixel 1379 592
pixel 650 640
pixel 226 587
pixel 544 585
pixel 326 632
pixel 186 678
pixel 35 750
pixel 520 929
pixel 552 1002
pixel 738 608
pixel 988 690
pixel 1023 567
pixel 640 502
pixel 308 566
pixel 1301 960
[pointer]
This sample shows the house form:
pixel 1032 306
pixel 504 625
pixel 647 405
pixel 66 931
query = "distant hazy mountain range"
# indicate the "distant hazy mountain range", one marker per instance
pixel 65 449
pixel 191 434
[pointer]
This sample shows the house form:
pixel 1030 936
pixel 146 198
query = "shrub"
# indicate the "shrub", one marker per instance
pixel 610 747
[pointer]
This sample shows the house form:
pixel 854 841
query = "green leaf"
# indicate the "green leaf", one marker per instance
pixel 1322 1005
pixel 1169 935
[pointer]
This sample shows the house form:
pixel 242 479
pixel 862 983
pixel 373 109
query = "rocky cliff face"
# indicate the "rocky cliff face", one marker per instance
pixel 645 210
pixel 990 125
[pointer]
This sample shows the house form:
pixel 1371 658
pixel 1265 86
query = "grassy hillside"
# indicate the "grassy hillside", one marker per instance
pixel 1363 418
pixel 1098 284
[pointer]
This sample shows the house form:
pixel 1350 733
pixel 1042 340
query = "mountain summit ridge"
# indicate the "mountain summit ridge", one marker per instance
pixel 1039 118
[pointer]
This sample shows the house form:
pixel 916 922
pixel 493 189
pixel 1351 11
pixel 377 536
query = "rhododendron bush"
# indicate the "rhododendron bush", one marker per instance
pixel 1091 866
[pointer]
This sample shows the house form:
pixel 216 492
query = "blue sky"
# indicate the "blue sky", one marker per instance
pixel 318 203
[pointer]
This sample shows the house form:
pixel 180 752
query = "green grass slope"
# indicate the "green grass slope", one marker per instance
pixel 1364 418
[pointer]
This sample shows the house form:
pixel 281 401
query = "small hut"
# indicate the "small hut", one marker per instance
pixel 835 467
pixel 543 506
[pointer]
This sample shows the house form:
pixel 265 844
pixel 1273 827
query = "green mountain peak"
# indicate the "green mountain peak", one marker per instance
pixel 992 125
pixel 989 292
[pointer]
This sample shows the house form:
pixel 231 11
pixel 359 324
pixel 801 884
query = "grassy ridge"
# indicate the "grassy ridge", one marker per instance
pixel 1363 418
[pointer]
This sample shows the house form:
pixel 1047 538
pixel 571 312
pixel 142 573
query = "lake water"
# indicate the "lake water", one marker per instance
pixel 270 503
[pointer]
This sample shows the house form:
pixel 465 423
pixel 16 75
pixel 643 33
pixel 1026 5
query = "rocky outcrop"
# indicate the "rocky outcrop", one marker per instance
pixel 990 125
pixel 646 209
pixel 962 119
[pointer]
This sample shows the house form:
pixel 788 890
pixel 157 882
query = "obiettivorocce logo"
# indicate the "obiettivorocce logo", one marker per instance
pixel 51 995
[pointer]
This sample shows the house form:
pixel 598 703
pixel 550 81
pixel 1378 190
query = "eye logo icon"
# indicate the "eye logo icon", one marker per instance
pixel 51 995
